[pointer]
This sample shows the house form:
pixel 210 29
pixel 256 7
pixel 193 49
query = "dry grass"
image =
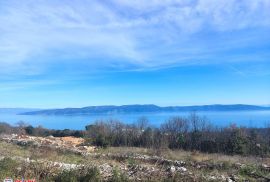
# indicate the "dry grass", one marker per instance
pixel 10 150
pixel 187 156
pixel 201 157
pixel 125 150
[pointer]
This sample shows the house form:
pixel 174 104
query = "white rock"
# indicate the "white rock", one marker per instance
pixel 229 180
pixel 213 177
pixel 182 169
pixel 223 177
pixel 265 166
pixel 172 169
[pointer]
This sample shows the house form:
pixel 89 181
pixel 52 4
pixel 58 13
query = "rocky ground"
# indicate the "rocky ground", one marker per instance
pixel 72 144
pixel 69 153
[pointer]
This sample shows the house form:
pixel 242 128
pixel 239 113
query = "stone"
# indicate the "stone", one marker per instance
pixel 182 169
pixel 265 166
pixel 223 177
pixel 229 180
pixel 212 177
pixel 179 163
pixel 172 169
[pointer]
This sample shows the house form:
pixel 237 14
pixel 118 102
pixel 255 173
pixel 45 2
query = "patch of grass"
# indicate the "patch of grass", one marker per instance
pixel 132 162
pixel 7 168
pixel 10 150
pixel 249 170
pixel 66 176
pixel 88 175
pixel 246 170
pixel 118 176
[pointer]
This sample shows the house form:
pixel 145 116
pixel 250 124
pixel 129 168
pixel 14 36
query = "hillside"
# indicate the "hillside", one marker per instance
pixel 55 159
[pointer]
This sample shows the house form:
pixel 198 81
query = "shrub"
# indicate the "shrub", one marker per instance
pixel 101 141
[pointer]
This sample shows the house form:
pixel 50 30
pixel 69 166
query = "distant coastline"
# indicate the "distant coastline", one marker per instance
pixel 111 109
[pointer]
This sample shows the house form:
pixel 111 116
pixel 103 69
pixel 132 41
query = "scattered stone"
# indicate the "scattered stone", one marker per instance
pixel 72 144
pixel 106 170
pixel 146 168
pixel 179 163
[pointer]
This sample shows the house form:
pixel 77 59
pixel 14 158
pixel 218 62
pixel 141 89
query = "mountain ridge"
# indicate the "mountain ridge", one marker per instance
pixel 137 108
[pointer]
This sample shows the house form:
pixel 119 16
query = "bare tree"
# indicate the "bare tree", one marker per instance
pixel 142 123
pixel 175 129
pixel 21 125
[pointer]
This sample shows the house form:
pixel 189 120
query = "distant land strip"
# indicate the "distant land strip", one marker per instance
pixel 111 109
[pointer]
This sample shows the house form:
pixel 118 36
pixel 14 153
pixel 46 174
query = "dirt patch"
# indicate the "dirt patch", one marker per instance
pixel 72 140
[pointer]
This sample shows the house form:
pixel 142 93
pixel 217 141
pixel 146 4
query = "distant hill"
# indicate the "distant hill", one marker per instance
pixel 111 109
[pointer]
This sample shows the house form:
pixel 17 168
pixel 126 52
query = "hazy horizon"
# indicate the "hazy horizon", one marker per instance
pixel 268 105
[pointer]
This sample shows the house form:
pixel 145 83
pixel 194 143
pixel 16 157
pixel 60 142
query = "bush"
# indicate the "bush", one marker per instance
pixel 29 130
pixel 101 141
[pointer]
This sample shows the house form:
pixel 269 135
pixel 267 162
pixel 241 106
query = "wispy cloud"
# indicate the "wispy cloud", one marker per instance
pixel 36 35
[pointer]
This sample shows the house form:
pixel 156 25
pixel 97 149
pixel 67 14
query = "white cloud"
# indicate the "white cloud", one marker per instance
pixel 154 33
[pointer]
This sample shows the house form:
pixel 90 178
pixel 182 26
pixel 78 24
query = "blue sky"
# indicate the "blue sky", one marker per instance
pixel 167 52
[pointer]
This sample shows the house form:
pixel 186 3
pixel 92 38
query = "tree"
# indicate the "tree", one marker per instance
pixel 237 143
pixel 176 128
pixel 21 125
pixel 142 123
pixel 29 130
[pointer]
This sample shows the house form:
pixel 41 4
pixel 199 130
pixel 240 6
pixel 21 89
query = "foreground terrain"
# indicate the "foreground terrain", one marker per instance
pixel 69 159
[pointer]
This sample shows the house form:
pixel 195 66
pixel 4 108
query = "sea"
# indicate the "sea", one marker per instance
pixel 256 119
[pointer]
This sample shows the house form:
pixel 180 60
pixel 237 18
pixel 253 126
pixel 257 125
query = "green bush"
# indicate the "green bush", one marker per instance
pixel 101 141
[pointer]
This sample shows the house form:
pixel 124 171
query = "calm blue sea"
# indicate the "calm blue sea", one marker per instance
pixel 242 118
